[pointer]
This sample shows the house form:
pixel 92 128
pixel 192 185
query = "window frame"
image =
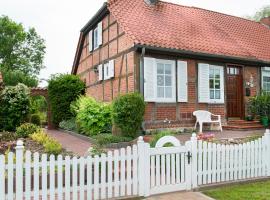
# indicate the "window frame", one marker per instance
pixel 265 72
pixel 221 86
pixel 95 37
pixel 173 81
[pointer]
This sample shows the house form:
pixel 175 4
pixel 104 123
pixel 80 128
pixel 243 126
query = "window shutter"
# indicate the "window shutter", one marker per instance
pixel 149 79
pixel 100 73
pixel 111 68
pixel 203 83
pixel 100 33
pixel 182 81
pixel 90 38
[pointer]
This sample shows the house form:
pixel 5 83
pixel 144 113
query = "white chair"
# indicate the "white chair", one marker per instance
pixel 203 116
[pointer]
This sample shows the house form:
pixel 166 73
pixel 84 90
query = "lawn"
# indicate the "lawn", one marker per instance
pixel 245 191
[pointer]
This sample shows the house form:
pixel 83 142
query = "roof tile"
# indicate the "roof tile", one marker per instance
pixel 194 29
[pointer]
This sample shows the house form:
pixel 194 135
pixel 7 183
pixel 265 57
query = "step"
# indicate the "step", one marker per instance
pixel 243 127
pixel 243 122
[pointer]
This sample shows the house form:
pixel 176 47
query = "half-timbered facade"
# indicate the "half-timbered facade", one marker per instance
pixel 180 58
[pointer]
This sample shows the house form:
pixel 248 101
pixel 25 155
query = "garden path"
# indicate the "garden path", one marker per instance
pixel 181 196
pixel 70 142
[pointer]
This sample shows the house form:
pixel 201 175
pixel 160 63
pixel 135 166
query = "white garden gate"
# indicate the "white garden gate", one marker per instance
pixel 134 171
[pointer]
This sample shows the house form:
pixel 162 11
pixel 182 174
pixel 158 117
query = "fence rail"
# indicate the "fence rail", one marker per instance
pixel 134 171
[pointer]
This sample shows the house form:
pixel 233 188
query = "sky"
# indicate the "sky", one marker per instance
pixel 59 22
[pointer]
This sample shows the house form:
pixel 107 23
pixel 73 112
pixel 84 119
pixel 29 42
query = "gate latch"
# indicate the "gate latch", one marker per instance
pixel 189 156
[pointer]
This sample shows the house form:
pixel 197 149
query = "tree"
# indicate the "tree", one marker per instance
pixel 263 12
pixel 20 50
pixel 12 78
pixel 64 89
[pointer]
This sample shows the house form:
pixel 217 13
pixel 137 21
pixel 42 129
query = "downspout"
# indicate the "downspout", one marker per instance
pixel 142 80
pixel 142 71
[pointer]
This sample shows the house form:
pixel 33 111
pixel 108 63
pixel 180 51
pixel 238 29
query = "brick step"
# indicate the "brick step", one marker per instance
pixel 243 127
pixel 243 123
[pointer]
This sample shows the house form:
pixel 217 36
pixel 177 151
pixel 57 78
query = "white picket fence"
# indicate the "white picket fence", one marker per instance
pixel 135 171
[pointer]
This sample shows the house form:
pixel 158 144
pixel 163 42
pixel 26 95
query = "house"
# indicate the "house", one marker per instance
pixel 180 58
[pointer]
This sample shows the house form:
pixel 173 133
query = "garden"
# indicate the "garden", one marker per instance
pixel 22 117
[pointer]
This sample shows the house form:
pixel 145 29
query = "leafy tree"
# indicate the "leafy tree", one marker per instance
pixel 64 89
pixel 12 78
pixel 263 12
pixel 20 50
pixel 15 106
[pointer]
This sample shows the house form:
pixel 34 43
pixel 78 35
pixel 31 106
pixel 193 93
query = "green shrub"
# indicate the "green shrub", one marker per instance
pixel 69 125
pixel 93 117
pixel 160 135
pixel 64 89
pixel 103 139
pixel 127 113
pixel 260 105
pixel 51 146
pixel 40 137
pixel 14 106
pixel 35 119
pixel 26 129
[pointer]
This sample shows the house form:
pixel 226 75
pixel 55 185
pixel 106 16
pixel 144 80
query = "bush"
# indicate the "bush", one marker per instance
pixel 15 106
pixel 26 129
pixel 64 89
pixel 40 137
pixel 92 117
pixel 52 147
pixel 160 135
pixel 35 119
pixel 104 139
pixel 69 125
pixel 127 113
pixel 260 105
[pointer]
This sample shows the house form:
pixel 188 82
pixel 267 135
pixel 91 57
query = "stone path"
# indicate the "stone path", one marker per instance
pixel 70 142
pixel 180 196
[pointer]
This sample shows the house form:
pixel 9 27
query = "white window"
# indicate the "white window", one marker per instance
pixel 95 38
pixel 215 83
pixel 109 70
pixel 266 79
pixel 159 76
pixel 211 83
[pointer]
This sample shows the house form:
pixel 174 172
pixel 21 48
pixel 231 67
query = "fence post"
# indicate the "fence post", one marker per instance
pixel 143 167
pixel 194 152
pixel 267 143
pixel 19 170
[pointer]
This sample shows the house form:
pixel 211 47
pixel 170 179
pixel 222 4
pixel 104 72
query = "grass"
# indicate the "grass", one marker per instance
pixel 246 191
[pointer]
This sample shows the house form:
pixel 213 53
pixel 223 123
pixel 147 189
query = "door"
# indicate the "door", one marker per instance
pixel 234 92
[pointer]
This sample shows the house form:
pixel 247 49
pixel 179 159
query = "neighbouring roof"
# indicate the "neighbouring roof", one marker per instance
pixel 192 29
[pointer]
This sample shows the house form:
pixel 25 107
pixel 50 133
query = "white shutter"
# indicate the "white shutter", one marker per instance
pixel 100 73
pixel 203 83
pixel 182 81
pixel 173 81
pixel 90 38
pixel 111 68
pixel 100 32
pixel 149 79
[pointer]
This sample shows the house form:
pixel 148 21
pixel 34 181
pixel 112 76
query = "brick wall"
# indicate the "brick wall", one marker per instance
pixel 115 46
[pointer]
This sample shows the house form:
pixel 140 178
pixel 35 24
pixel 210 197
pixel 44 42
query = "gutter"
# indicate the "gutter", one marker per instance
pixel 203 56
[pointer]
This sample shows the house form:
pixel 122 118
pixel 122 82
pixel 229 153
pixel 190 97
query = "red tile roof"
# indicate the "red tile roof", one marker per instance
pixel 193 29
